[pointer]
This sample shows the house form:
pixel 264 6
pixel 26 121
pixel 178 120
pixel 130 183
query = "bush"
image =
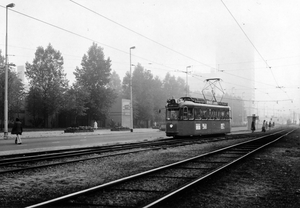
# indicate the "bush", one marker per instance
pixel 79 129
pixel 119 128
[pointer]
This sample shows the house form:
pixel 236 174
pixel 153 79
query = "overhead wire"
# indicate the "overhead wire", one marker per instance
pixel 252 44
pixel 245 79
pixel 84 37
pixel 133 31
pixel 68 31
pixel 249 88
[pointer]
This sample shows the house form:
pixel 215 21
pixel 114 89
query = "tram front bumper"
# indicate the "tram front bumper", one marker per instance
pixel 171 129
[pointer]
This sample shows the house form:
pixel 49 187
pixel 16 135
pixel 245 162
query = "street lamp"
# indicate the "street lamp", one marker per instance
pixel 187 85
pixel 131 108
pixel 6 79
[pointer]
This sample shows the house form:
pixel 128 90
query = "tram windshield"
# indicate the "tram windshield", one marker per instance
pixel 172 114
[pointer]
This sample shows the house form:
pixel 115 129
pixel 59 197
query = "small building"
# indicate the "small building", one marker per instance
pixel 119 113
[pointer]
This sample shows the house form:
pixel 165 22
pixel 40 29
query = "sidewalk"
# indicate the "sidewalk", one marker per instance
pixel 34 141
pixel 61 133
pixel 38 140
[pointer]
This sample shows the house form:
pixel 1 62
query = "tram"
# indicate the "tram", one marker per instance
pixel 188 116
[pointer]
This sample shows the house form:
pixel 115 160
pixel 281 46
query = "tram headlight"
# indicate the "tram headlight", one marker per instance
pixel 171 125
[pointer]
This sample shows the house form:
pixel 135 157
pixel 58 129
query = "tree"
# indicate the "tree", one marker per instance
pixel 143 93
pixel 75 100
pixel 159 100
pixel 2 59
pixel 34 105
pixel 126 86
pixel 147 95
pixel 94 77
pixel 15 92
pixel 173 87
pixel 150 94
pixel 115 83
pixel 47 77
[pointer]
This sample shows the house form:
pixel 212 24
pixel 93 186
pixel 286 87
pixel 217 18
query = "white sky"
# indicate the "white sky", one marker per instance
pixel 185 31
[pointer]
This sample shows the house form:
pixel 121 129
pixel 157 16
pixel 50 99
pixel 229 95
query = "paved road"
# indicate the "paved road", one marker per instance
pixel 47 140
pixel 37 141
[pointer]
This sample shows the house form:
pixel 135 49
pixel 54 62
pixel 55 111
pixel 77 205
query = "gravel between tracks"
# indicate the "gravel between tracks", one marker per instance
pixel 268 179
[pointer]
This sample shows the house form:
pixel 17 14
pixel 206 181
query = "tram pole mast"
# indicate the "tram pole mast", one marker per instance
pixel 6 78
pixel 131 108
pixel 187 85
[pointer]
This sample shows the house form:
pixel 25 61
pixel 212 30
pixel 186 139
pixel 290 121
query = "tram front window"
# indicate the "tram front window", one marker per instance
pixel 172 114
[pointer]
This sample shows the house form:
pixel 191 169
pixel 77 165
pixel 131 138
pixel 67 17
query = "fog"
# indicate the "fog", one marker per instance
pixel 253 46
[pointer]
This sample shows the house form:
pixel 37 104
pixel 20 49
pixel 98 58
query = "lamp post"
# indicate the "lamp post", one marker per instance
pixel 6 79
pixel 187 85
pixel 131 108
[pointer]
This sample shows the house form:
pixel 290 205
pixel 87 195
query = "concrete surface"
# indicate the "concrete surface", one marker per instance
pixel 51 140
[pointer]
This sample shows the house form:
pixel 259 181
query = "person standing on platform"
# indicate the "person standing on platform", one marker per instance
pixel 95 125
pixel 253 126
pixel 263 128
pixel 17 129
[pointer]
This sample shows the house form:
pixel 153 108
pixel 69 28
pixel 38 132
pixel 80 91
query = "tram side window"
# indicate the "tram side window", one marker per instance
pixel 204 114
pixel 218 114
pixel 227 114
pixel 213 114
pixel 209 116
pixel 222 114
pixel 191 113
pixel 187 113
pixel 198 113
pixel 183 113
pixel 172 114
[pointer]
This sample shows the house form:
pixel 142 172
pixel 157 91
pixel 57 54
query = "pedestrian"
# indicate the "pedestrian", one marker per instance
pixel 17 129
pixel 270 125
pixel 253 126
pixel 95 125
pixel 263 128
pixel 267 125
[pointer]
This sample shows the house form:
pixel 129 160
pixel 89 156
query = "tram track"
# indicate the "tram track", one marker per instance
pixel 17 162
pixel 35 160
pixel 151 187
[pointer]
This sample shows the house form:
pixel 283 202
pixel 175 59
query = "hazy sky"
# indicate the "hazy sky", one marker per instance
pixel 169 34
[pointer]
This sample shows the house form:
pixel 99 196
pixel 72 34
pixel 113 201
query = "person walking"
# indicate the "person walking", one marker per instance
pixel 95 125
pixel 263 128
pixel 17 129
pixel 253 126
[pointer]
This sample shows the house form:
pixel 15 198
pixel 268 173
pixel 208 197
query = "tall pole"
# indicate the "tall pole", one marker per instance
pixel 6 79
pixel 187 85
pixel 131 100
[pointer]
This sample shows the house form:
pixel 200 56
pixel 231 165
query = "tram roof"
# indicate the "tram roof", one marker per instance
pixel 190 101
pixel 202 101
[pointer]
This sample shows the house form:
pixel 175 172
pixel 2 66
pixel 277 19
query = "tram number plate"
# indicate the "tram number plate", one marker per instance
pixel 198 126
pixel 222 125
pixel 204 126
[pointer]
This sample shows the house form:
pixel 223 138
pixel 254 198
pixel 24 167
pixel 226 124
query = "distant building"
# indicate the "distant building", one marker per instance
pixel 119 113
pixel 235 64
pixel 21 75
